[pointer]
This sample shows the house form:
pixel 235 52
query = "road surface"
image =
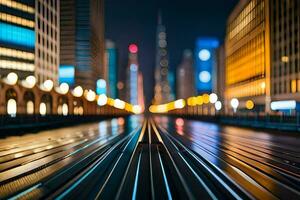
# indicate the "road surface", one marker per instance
pixel 157 158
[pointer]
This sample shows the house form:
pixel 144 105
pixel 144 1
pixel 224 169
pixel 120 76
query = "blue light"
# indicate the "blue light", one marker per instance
pixel 101 86
pixel 205 62
pixel 66 74
pixel 17 35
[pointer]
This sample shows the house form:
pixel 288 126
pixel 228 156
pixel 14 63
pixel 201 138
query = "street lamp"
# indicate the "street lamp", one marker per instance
pixel 30 81
pixel 64 88
pixel 137 109
pixel 78 91
pixel 102 100
pixel 11 78
pixel 180 103
pixel 90 95
pixel 119 104
pixel 213 98
pixel 234 104
pixel 218 105
pixel 47 85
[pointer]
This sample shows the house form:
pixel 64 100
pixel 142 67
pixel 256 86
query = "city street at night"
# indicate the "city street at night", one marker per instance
pixel 159 157
pixel 149 99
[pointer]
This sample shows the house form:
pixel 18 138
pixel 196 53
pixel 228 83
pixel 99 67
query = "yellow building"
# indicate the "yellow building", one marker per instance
pixel 263 53
pixel 247 46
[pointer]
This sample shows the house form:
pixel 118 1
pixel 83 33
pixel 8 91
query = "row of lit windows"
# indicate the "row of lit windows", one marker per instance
pixel 252 45
pixel 16 20
pixel 246 63
pixel 17 5
pixel 246 24
pixel 251 5
pixel 17 35
pixel 16 53
pixel 7 64
pixel 284 87
pixel 254 88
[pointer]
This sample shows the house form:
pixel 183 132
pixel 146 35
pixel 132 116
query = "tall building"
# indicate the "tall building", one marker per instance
pixel 162 86
pixel 285 49
pixel 205 61
pixel 185 76
pixel 262 53
pixel 248 53
pixel 82 42
pixel 112 67
pixel 132 75
pixel 29 38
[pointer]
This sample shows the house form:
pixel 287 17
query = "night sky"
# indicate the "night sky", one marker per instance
pixel 134 21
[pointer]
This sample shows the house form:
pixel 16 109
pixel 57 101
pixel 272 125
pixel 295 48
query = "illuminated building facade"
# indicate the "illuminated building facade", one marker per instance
pixel 82 41
pixel 29 38
pixel 47 16
pixel 285 50
pixel 162 89
pixel 262 52
pixel 247 47
pixel 185 76
pixel 111 57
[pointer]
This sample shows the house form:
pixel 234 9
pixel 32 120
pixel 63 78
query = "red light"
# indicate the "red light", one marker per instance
pixel 179 122
pixel 133 48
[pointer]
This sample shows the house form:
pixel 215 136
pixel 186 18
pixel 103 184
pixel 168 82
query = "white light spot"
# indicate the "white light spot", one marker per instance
pixel 204 55
pixel 204 76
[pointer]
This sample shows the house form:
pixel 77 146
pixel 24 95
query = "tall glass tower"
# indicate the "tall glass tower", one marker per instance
pixel 162 89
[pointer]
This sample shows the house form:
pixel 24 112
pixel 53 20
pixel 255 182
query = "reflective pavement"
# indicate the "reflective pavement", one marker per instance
pixel 157 158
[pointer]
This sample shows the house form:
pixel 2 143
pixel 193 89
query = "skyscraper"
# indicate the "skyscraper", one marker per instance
pixel 82 42
pixel 29 39
pixel 162 86
pixel 263 53
pixel 185 76
pixel 285 50
pixel 112 67
pixel 247 47
pixel 205 61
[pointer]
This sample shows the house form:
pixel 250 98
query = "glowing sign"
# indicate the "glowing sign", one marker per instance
pixel 205 64
pixel 284 105
pixel 66 74
pixel 17 35
pixel 101 86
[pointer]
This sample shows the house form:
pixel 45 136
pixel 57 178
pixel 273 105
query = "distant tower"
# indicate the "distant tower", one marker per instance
pixel 185 76
pixel 112 68
pixel 162 86
pixel 132 75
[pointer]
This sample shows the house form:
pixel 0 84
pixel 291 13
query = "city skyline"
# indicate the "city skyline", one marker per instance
pixel 184 22
pixel 131 99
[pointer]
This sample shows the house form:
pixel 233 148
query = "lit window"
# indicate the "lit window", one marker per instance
pixel 30 107
pixel 12 107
